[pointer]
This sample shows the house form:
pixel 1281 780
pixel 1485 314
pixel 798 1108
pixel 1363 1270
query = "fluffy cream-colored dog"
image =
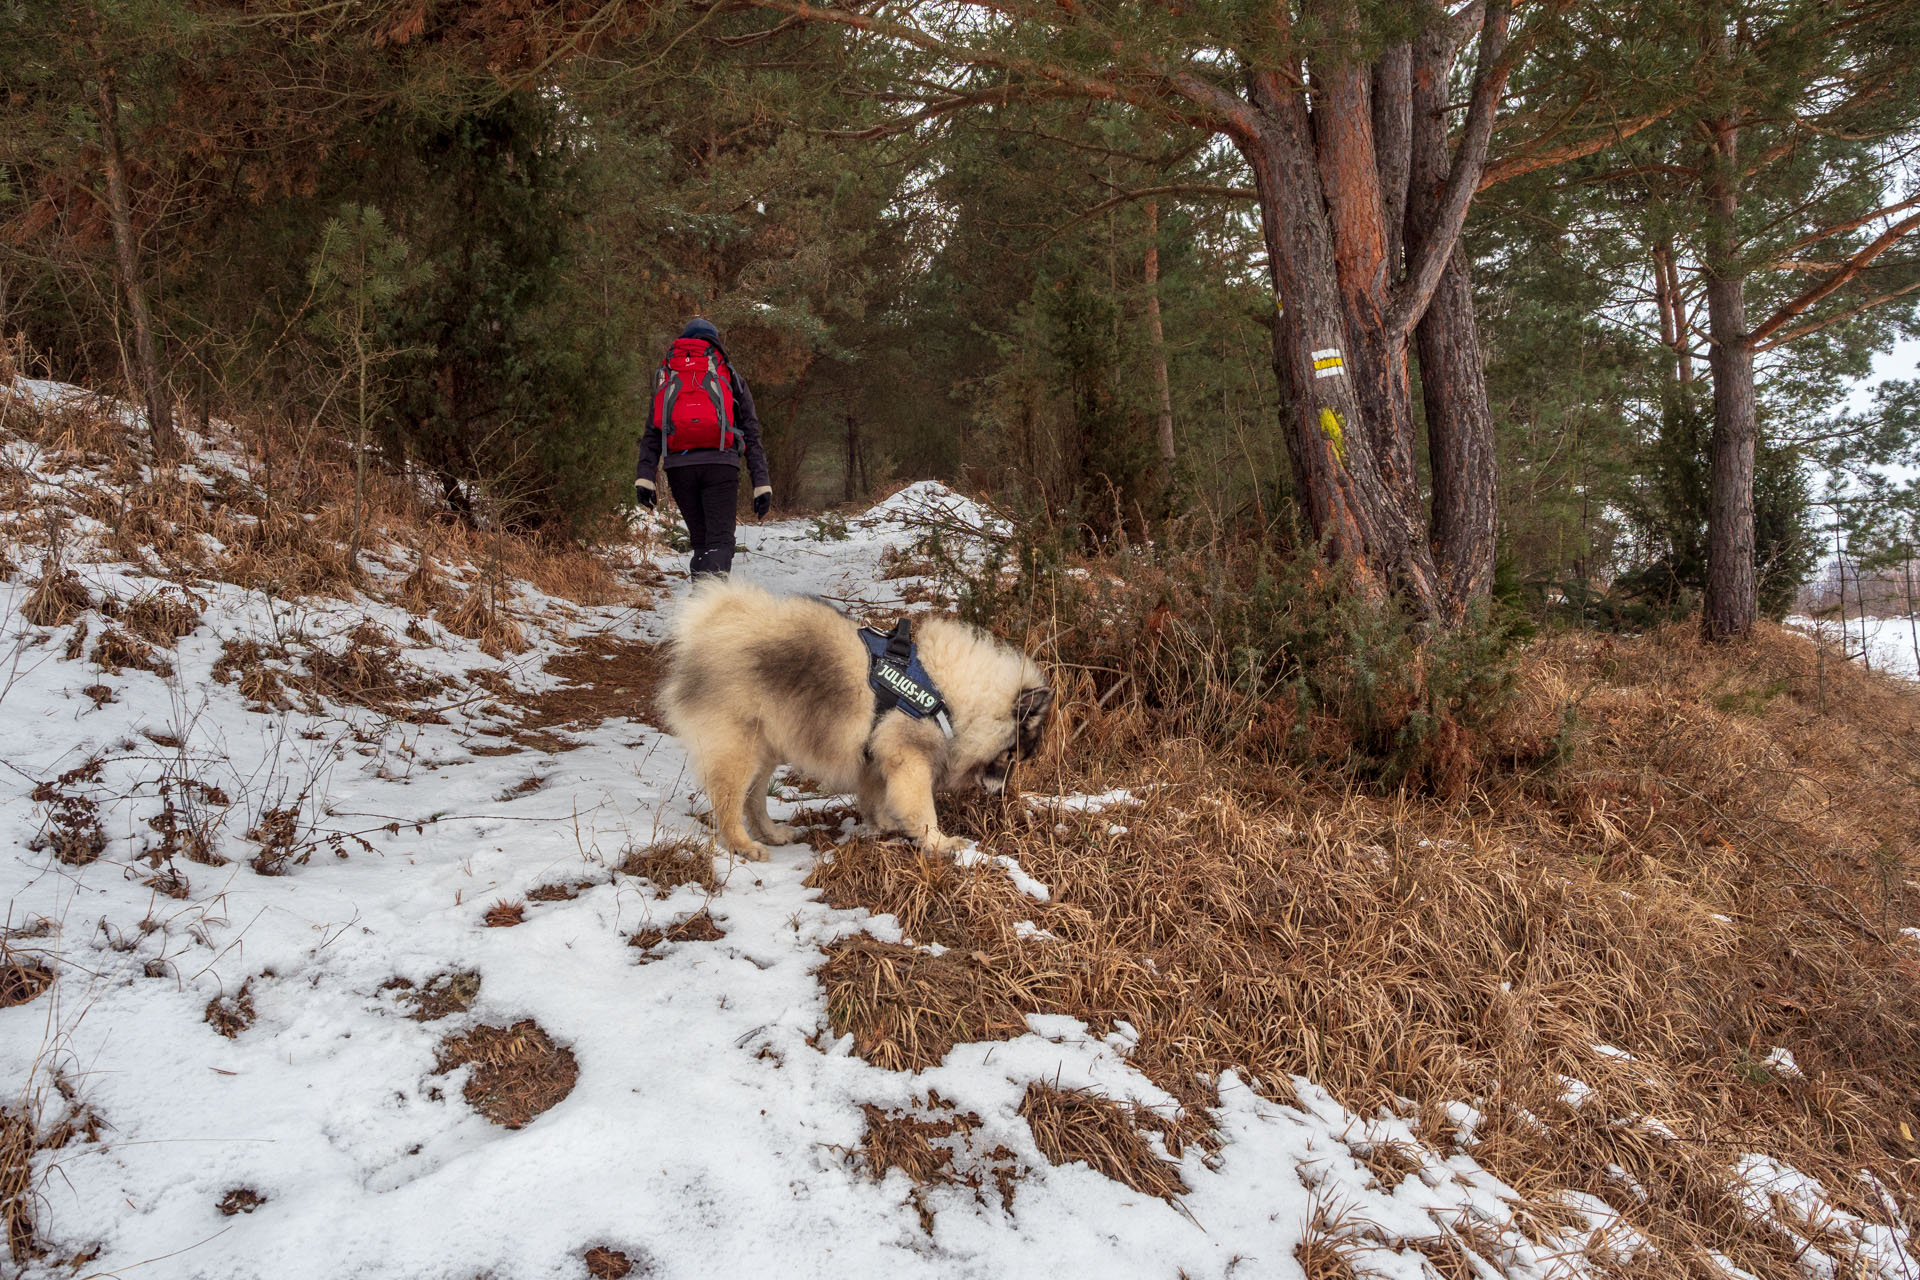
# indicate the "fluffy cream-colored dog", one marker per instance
pixel 757 680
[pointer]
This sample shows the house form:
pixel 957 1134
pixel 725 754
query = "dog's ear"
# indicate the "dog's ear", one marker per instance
pixel 1030 712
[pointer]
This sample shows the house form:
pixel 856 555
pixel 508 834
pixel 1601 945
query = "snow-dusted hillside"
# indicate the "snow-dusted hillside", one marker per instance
pixel 269 933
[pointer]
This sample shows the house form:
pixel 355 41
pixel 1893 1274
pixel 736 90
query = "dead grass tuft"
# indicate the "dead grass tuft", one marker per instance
pixel 518 1071
pixel 240 1200
pixel 559 892
pixel 22 977
pixel 57 598
pixel 668 864
pixel 505 915
pixel 20 1139
pixel 934 1145
pixel 1070 1125
pixel 698 927
pixel 370 672
pixel 17 1145
pixel 478 618
pixel 118 650
pixel 1323 1249
pixel 230 1015
pixel 161 617
pixel 899 1140
pixel 604 1263
pixel 905 1008
pixel 444 994
pixel 245 663
pixel 72 831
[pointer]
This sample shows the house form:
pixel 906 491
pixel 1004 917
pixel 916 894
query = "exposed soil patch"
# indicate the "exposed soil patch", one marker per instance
pixel 445 994
pixel 240 1200
pixel 230 1015
pixel 22 978
pixel 518 1071
pixel 606 677
pixel 698 927
pixel 670 864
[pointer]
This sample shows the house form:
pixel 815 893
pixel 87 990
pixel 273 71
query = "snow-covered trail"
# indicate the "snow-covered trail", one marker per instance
pixel 712 1127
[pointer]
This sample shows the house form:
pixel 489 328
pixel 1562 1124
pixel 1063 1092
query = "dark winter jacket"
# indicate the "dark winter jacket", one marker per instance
pixel 746 430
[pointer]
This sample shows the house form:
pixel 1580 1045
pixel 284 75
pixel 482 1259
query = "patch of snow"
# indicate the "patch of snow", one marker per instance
pixel 1885 644
pixel 974 856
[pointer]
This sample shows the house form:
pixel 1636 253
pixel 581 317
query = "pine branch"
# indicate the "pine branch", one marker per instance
pixel 1854 266
pixel 1817 325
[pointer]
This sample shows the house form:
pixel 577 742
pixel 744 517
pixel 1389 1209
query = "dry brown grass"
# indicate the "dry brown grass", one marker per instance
pixel 1070 1125
pixel 558 892
pixel 668 864
pixel 240 1200
pixel 505 915
pixel 230 1015
pixel 280 526
pixel 22 977
pixel 518 1071
pixel 444 994
pixel 20 1140
pixel 17 1145
pixel 1717 867
pixel 161 617
pixel 698 927
pixel 604 1263
pixel 57 598
pixel 934 1145
pixel 118 651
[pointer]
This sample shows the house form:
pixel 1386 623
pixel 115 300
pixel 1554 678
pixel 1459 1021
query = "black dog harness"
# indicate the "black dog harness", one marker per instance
pixel 898 679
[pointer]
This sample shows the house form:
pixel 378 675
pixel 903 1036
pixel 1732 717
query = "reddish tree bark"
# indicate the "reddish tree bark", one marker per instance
pixel 1157 339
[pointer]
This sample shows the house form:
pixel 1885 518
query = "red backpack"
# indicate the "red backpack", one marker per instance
pixel 693 397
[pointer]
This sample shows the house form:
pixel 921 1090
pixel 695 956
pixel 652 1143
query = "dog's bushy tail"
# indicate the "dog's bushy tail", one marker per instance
pixel 710 603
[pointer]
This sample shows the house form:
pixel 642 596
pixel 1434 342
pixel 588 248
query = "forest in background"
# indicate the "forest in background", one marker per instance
pixel 1074 256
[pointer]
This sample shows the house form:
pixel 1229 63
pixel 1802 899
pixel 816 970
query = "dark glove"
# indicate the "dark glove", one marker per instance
pixel 762 503
pixel 645 495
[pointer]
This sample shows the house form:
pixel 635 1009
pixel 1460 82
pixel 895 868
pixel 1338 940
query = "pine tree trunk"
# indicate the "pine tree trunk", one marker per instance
pixel 1453 382
pixel 1344 403
pixel 1157 341
pixel 1732 598
pixel 126 252
pixel 1460 444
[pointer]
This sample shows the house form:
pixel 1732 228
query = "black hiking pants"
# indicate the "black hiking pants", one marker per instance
pixel 708 495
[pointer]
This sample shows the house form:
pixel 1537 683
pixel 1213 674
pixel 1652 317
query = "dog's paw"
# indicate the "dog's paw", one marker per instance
pixel 778 833
pixel 942 846
pixel 752 853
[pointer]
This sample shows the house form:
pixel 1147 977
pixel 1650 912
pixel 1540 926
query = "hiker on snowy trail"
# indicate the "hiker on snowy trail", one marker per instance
pixel 703 420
